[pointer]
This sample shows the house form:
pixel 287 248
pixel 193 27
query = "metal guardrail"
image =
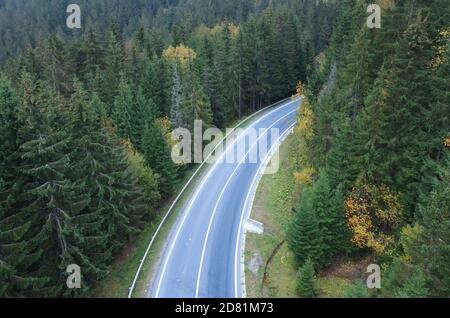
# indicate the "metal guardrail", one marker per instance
pixel 133 285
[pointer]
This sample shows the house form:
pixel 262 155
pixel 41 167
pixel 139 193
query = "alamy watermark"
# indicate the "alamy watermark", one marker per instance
pixel 374 19
pixel 374 279
pixel 250 145
pixel 74 279
pixel 74 19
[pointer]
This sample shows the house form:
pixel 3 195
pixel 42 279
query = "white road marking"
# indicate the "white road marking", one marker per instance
pixel 198 191
pixel 223 191
pixel 255 178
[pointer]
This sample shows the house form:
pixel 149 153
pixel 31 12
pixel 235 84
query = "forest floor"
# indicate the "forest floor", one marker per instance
pixel 271 269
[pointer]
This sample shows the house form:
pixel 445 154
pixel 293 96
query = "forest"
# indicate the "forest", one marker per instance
pixel 86 116
pixel 373 145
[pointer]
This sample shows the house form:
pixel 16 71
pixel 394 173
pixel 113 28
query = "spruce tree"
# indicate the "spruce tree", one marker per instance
pixel 433 245
pixel 414 287
pixel 116 207
pixel 14 224
pixel 195 103
pixel 157 155
pixel 306 284
pixel 114 65
pixel 122 114
pixel 176 115
pixel 304 237
pixel 328 206
pixel 48 197
pixel 357 290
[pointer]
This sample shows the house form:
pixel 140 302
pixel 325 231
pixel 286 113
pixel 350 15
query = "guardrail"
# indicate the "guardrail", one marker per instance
pixel 133 285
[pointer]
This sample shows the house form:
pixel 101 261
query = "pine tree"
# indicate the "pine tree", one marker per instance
pixel 223 94
pixel 195 103
pixel 144 111
pixel 357 290
pixel 306 284
pixel 414 287
pixel 433 245
pixel 57 65
pixel 92 53
pixel 14 224
pixel 304 236
pixel 328 206
pixel 48 197
pixel 116 206
pixel 176 115
pixel 157 155
pixel 122 114
pixel 114 65
pixel 156 84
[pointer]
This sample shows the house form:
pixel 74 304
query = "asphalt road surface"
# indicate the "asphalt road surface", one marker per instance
pixel 202 257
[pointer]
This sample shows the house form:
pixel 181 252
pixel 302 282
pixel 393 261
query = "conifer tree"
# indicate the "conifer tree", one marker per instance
pixel 304 236
pixel 157 155
pixel 176 115
pixel 357 290
pixel 114 59
pixel 306 284
pixel 414 287
pixel 48 197
pixel 328 206
pixel 122 114
pixel 195 103
pixel 14 224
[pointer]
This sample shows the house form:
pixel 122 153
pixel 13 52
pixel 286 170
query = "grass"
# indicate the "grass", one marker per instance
pixel 332 286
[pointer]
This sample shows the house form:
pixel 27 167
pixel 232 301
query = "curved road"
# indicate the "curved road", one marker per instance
pixel 203 255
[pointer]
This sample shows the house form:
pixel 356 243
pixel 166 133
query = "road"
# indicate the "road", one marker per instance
pixel 202 257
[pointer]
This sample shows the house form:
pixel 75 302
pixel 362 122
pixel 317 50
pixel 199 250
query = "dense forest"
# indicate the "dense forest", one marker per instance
pixel 373 144
pixel 86 115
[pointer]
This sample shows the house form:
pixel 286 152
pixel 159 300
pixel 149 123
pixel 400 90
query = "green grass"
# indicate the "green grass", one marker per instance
pixel 332 287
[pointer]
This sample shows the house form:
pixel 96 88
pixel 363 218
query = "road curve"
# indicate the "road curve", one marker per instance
pixel 202 256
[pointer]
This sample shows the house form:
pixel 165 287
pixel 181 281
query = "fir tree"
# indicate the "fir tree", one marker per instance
pixel 357 290
pixel 306 284
pixel 304 236
pixel 122 114
pixel 158 157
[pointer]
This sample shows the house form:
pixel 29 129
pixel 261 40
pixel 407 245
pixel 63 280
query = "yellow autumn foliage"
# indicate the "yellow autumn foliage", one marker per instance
pixel 299 91
pixel 305 176
pixel 441 51
pixel 373 215
pixel 408 239
pixel 447 142
pixel 304 134
pixel 181 53
pixel 218 28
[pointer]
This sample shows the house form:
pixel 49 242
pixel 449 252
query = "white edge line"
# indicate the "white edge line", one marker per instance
pixel 199 189
pixel 223 191
pixel 245 207
pixel 255 179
